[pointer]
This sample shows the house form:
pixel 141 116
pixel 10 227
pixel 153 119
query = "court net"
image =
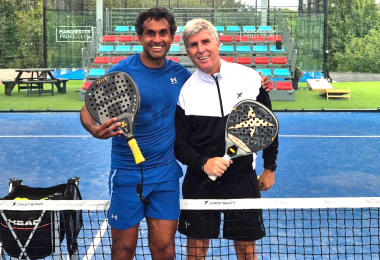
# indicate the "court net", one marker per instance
pixel 310 228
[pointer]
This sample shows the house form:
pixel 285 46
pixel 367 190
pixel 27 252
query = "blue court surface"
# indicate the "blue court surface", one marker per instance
pixel 321 154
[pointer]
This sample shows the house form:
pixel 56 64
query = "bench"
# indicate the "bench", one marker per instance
pixel 9 85
pixel 35 86
pixel 336 93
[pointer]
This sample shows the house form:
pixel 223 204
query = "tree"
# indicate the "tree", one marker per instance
pixel 361 54
pixel 349 19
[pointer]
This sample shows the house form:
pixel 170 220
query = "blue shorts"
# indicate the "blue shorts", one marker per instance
pixel 126 210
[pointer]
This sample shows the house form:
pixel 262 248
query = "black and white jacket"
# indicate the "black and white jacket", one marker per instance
pixel 202 111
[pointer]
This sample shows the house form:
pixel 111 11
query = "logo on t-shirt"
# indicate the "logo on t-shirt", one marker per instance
pixel 174 80
pixel 239 95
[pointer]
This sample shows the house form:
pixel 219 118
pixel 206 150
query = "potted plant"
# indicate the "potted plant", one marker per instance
pixel 297 75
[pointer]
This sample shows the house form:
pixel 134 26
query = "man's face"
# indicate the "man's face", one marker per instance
pixel 156 40
pixel 203 50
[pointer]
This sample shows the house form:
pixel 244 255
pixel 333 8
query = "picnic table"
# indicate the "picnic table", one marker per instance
pixel 35 81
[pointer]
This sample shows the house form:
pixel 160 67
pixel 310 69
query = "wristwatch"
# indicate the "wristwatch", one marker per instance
pixel 273 167
pixel 205 159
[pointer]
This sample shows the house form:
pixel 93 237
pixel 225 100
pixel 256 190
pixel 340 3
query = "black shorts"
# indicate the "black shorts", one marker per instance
pixel 242 225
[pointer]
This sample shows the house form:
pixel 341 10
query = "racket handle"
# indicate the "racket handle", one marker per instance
pixel 139 158
pixel 213 177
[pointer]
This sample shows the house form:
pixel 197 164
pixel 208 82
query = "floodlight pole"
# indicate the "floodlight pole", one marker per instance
pixel 326 74
pixel 44 7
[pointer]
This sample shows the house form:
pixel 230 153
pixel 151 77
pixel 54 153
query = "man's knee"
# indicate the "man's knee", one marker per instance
pixel 162 250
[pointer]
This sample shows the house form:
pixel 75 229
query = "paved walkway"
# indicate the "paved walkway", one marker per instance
pixel 354 77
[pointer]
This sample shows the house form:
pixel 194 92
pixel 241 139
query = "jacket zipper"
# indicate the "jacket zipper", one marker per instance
pixel 220 97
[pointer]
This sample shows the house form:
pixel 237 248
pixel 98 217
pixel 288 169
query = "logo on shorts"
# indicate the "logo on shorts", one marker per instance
pixel 187 224
pixel 114 216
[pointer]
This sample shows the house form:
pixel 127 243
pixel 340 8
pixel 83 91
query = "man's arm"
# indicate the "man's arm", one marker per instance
pixel 186 154
pixel 267 178
pixel 103 131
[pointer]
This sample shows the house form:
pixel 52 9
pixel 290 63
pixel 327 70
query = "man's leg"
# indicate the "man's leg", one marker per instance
pixel 161 238
pixel 197 248
pixel 124 243
pixel 245 250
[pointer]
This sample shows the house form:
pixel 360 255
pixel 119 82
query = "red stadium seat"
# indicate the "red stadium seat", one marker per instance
pixel 109 38
pixel 86 85
pixel 125 38
pixel 101 60
pixel 226 38
pixel 275 38
pixel 261 60
pixel 173 59
pixel 284 86
pixel 228 59
pixel 271 85
pixel 136 38
pixel 244 60
pixel 117 59
pixel 177 38
pixel 243 38
pixel 258 38
pixel 279 60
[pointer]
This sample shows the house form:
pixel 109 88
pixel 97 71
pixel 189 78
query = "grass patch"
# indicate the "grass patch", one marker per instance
pixel 20 101
pixel 364 95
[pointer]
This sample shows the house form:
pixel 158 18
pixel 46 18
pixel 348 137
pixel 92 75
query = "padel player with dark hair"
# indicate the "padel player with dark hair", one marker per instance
pixel 205 101
pixel 159 81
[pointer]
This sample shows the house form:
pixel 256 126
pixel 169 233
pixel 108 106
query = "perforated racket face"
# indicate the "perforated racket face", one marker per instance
pixel 113 95
pixel 250 127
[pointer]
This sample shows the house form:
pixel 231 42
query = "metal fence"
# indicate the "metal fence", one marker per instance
pixel 29 42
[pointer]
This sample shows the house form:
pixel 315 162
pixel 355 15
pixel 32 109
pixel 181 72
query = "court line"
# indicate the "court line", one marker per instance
pixel 297 136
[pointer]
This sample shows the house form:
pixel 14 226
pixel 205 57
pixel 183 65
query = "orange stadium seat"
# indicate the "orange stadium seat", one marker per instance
pixel 101 60
pixel 275 38
pixel 240 38
pixel 86 85
pixel 116 59
pixel 244 60
pixel 279 60
pixel 261 60
pixel 258 38
pixel 177 38
pixel 109 38
pixel 228 59
pixel 125 38
pixel 173 59
pixel 226 38
pixel 284 86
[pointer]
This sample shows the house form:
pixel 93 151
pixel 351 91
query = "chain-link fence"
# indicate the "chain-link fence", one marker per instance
pixel 30 33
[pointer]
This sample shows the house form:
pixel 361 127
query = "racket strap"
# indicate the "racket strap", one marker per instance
pixel 139 188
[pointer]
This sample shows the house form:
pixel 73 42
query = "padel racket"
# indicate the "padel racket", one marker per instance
pixel 116 95
pixel 250 127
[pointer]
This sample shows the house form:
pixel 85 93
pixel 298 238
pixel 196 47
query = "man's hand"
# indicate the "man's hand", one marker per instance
pixel 103 131
pixel 106 130
pixel 265 82
pixel 266 180
pixel 216 166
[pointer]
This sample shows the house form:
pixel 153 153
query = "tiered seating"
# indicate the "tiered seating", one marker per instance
pixel 264 48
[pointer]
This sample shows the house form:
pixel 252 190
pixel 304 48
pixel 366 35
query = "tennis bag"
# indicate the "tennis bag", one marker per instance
pixel 42 238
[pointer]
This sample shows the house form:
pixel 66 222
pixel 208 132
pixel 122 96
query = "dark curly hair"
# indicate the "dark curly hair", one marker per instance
pixel 156 13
